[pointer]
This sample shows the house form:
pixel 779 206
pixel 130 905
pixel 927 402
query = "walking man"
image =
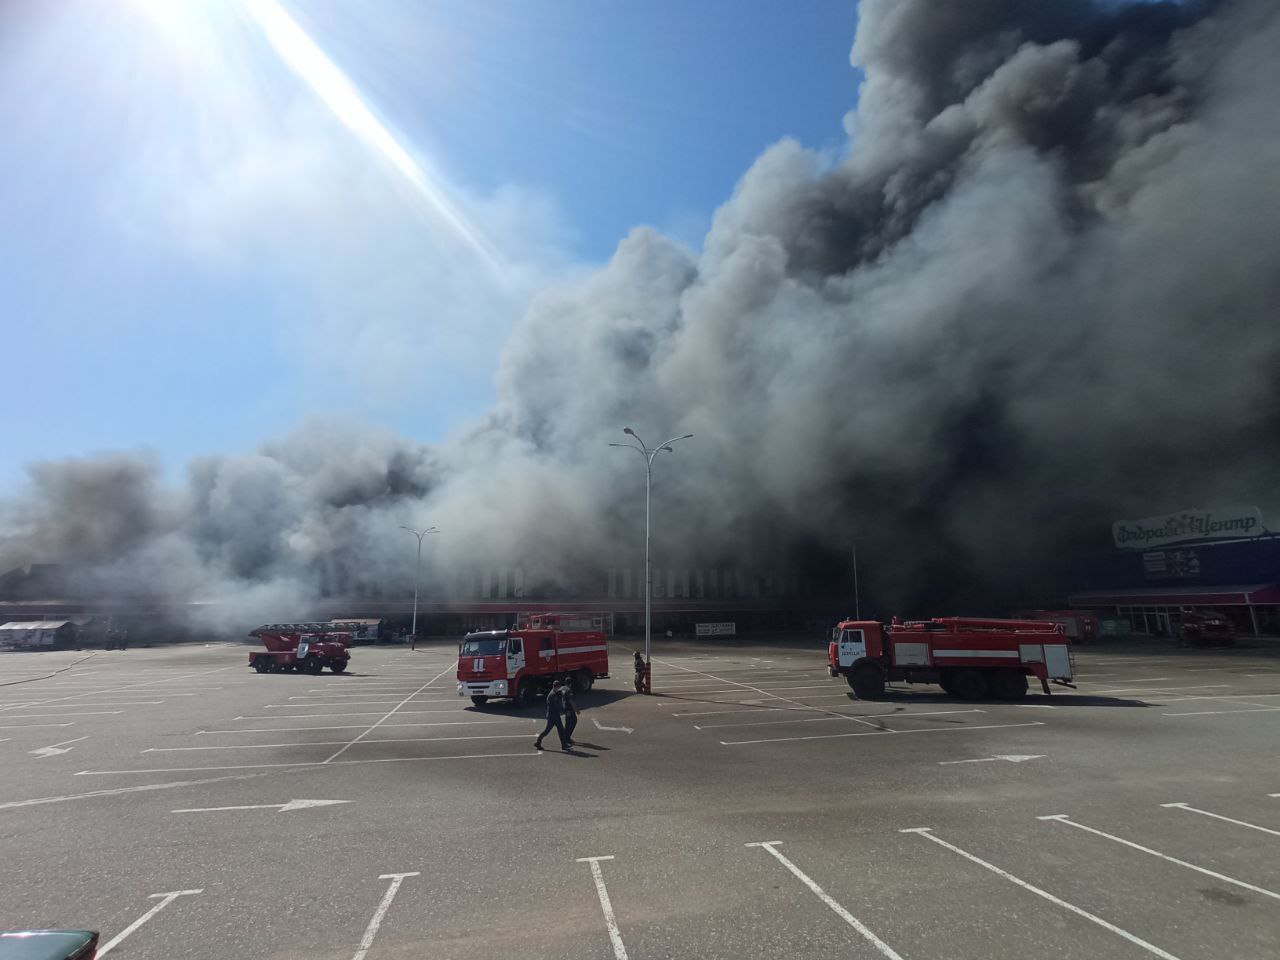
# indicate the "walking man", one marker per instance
pixel 639 663
pixel 555 706
pixel 570 712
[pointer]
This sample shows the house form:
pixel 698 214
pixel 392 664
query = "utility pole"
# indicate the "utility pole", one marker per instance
pixel 857 604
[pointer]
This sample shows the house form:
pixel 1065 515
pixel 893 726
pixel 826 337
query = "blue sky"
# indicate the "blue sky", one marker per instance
pixel 200 253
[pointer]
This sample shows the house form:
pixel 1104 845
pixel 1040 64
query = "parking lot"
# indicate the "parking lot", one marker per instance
pixel 188 807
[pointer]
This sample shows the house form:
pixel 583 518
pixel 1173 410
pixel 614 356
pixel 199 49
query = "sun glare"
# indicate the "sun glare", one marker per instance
pixel 302 55
pixel 198 27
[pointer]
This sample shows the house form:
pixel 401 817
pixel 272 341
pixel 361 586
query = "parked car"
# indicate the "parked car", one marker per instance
pixel 48 944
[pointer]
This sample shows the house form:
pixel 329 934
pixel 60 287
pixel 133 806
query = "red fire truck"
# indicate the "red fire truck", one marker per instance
pixel 522 662
pixel 1206 628
pixel 301 647
pixel 968 657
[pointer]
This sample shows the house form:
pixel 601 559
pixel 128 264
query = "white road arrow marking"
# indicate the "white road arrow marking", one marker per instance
pixel 1008 757
pixel 55 749
pixel 164 898
pixel 601 726
pixel 281 807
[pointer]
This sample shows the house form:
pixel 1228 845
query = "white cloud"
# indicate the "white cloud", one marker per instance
pixel 380 303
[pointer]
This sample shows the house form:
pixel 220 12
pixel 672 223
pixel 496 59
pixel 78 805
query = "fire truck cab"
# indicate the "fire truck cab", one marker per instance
pixel 968 657
pixel 521 663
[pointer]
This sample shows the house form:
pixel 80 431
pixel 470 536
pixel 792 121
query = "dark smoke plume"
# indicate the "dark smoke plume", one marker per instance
pixel 1037 293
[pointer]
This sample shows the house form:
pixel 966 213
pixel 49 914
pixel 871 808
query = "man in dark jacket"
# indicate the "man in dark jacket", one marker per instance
pixel 570 712
pixel 555 706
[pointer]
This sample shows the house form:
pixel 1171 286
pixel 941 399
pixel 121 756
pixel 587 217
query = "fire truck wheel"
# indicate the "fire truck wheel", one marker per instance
pixel 969 684
pixel 1008 684
pixel 582 681
pixel 479 701
pixel 261 665
pixel 314 665
pixel 337 666
pixel 525 693
pixel 867 682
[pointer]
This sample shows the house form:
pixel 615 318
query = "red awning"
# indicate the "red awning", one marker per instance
pixel 1234 596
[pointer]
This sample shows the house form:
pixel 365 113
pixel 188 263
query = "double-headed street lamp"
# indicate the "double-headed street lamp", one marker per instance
pixel 413 635
pixel 639 446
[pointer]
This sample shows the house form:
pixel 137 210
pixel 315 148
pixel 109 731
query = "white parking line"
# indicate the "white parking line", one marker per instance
pixel 800 700
pixel 826 898
pixel 927 833
pixel 310 763
pixel 703 681
pixel 720 713
pixel 884 733
pixel 134 686
pixel 1063 818
pixel 829 719
pixel 1256 708
pixel 1218 816
pixel 1156 691
pixel 358 693
pixel 747 686
pixel 113 703
pixel 361 726
pixel 357 703
pixel 342 713
pixel 33 726
pixel 371 931
pixel 363 695
pixel 165 900
pixel 337 743
pixel 610 922
pixel 50 716
pixel 770 691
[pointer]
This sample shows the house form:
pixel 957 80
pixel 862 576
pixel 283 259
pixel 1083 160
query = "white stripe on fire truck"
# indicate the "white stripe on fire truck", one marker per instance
pixel 567 650
pixel 975 653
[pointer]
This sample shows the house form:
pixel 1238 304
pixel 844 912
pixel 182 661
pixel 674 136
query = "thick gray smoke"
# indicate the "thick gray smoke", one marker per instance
pixel 1037 293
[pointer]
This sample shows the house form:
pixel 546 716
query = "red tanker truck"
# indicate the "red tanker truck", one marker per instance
pixel 1080 626
pixel 301 647
pixel 968 657
pixel 521 663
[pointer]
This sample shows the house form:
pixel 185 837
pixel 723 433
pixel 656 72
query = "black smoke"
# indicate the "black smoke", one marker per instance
pixel 1036 293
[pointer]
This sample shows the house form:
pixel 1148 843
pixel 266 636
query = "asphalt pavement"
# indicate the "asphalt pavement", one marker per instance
pixel 752 808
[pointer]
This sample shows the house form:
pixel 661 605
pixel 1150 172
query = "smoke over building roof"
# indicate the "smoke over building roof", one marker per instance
pixel 1037 292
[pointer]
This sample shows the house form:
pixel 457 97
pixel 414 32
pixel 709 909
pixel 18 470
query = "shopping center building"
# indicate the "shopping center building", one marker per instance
pixel 1222 559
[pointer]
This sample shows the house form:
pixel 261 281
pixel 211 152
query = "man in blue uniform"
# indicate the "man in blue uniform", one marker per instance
pixel 570 712
pixel 555 706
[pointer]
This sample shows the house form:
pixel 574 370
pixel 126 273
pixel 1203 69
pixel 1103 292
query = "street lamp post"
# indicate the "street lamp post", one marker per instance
pixel 639 446
pixel 417 578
